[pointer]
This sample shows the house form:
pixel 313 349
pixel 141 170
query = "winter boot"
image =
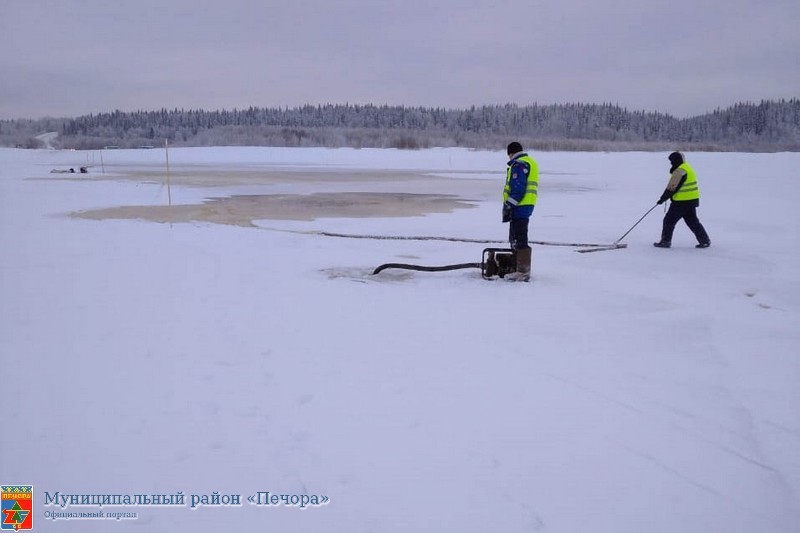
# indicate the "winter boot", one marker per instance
pixel 523 272
pixel 703 240
pixel 667 229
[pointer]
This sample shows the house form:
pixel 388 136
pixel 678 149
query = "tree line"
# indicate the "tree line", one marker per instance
pixel 771 125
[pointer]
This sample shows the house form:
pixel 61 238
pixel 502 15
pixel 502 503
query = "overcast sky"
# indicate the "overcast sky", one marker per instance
pixel 71 57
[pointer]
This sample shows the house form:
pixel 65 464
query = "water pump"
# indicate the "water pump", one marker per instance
pixel 494 262
pixel 498 262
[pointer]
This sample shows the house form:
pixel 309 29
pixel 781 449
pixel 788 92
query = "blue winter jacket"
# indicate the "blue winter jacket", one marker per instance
pixel 518 185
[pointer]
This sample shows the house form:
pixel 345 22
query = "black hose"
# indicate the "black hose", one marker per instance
pixel 426 268
pixel 431 238
pixel 449 239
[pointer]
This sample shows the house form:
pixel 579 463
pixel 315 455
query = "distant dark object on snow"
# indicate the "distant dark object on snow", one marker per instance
pixel 84 170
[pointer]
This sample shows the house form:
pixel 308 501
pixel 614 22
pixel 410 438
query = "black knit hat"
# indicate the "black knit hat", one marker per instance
pixel 676 158
pixel 514 148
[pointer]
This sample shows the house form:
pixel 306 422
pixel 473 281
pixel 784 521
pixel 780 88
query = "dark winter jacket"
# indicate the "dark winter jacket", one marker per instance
pixel 518 185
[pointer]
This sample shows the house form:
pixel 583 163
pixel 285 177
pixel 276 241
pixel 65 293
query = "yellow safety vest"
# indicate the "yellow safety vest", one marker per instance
pixel 532 186
pixel 689 190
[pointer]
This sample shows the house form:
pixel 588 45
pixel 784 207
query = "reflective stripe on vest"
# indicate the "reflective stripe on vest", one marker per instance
pixel 689 190
pixel 532 185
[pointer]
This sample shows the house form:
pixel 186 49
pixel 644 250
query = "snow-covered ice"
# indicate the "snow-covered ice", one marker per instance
pixel 621 391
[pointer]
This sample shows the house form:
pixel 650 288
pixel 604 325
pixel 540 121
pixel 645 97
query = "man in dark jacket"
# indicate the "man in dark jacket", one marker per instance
pixel 519 199
pixel 684 193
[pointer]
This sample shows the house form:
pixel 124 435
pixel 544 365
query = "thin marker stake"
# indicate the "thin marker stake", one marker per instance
pixel 169 188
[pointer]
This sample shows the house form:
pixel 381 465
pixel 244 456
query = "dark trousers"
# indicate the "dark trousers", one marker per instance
pixel 688 212
pixel 518 233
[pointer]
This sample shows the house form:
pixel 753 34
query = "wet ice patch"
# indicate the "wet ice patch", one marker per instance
pixel 365 275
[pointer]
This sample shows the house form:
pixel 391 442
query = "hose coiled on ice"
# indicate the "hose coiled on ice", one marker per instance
pixel 425 268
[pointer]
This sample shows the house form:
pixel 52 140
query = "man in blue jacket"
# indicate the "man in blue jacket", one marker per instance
pixel 519 200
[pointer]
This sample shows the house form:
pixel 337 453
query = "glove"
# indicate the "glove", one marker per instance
pixel 664 197
pixel 506 213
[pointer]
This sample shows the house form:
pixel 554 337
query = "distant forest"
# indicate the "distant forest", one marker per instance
pixel 768 126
